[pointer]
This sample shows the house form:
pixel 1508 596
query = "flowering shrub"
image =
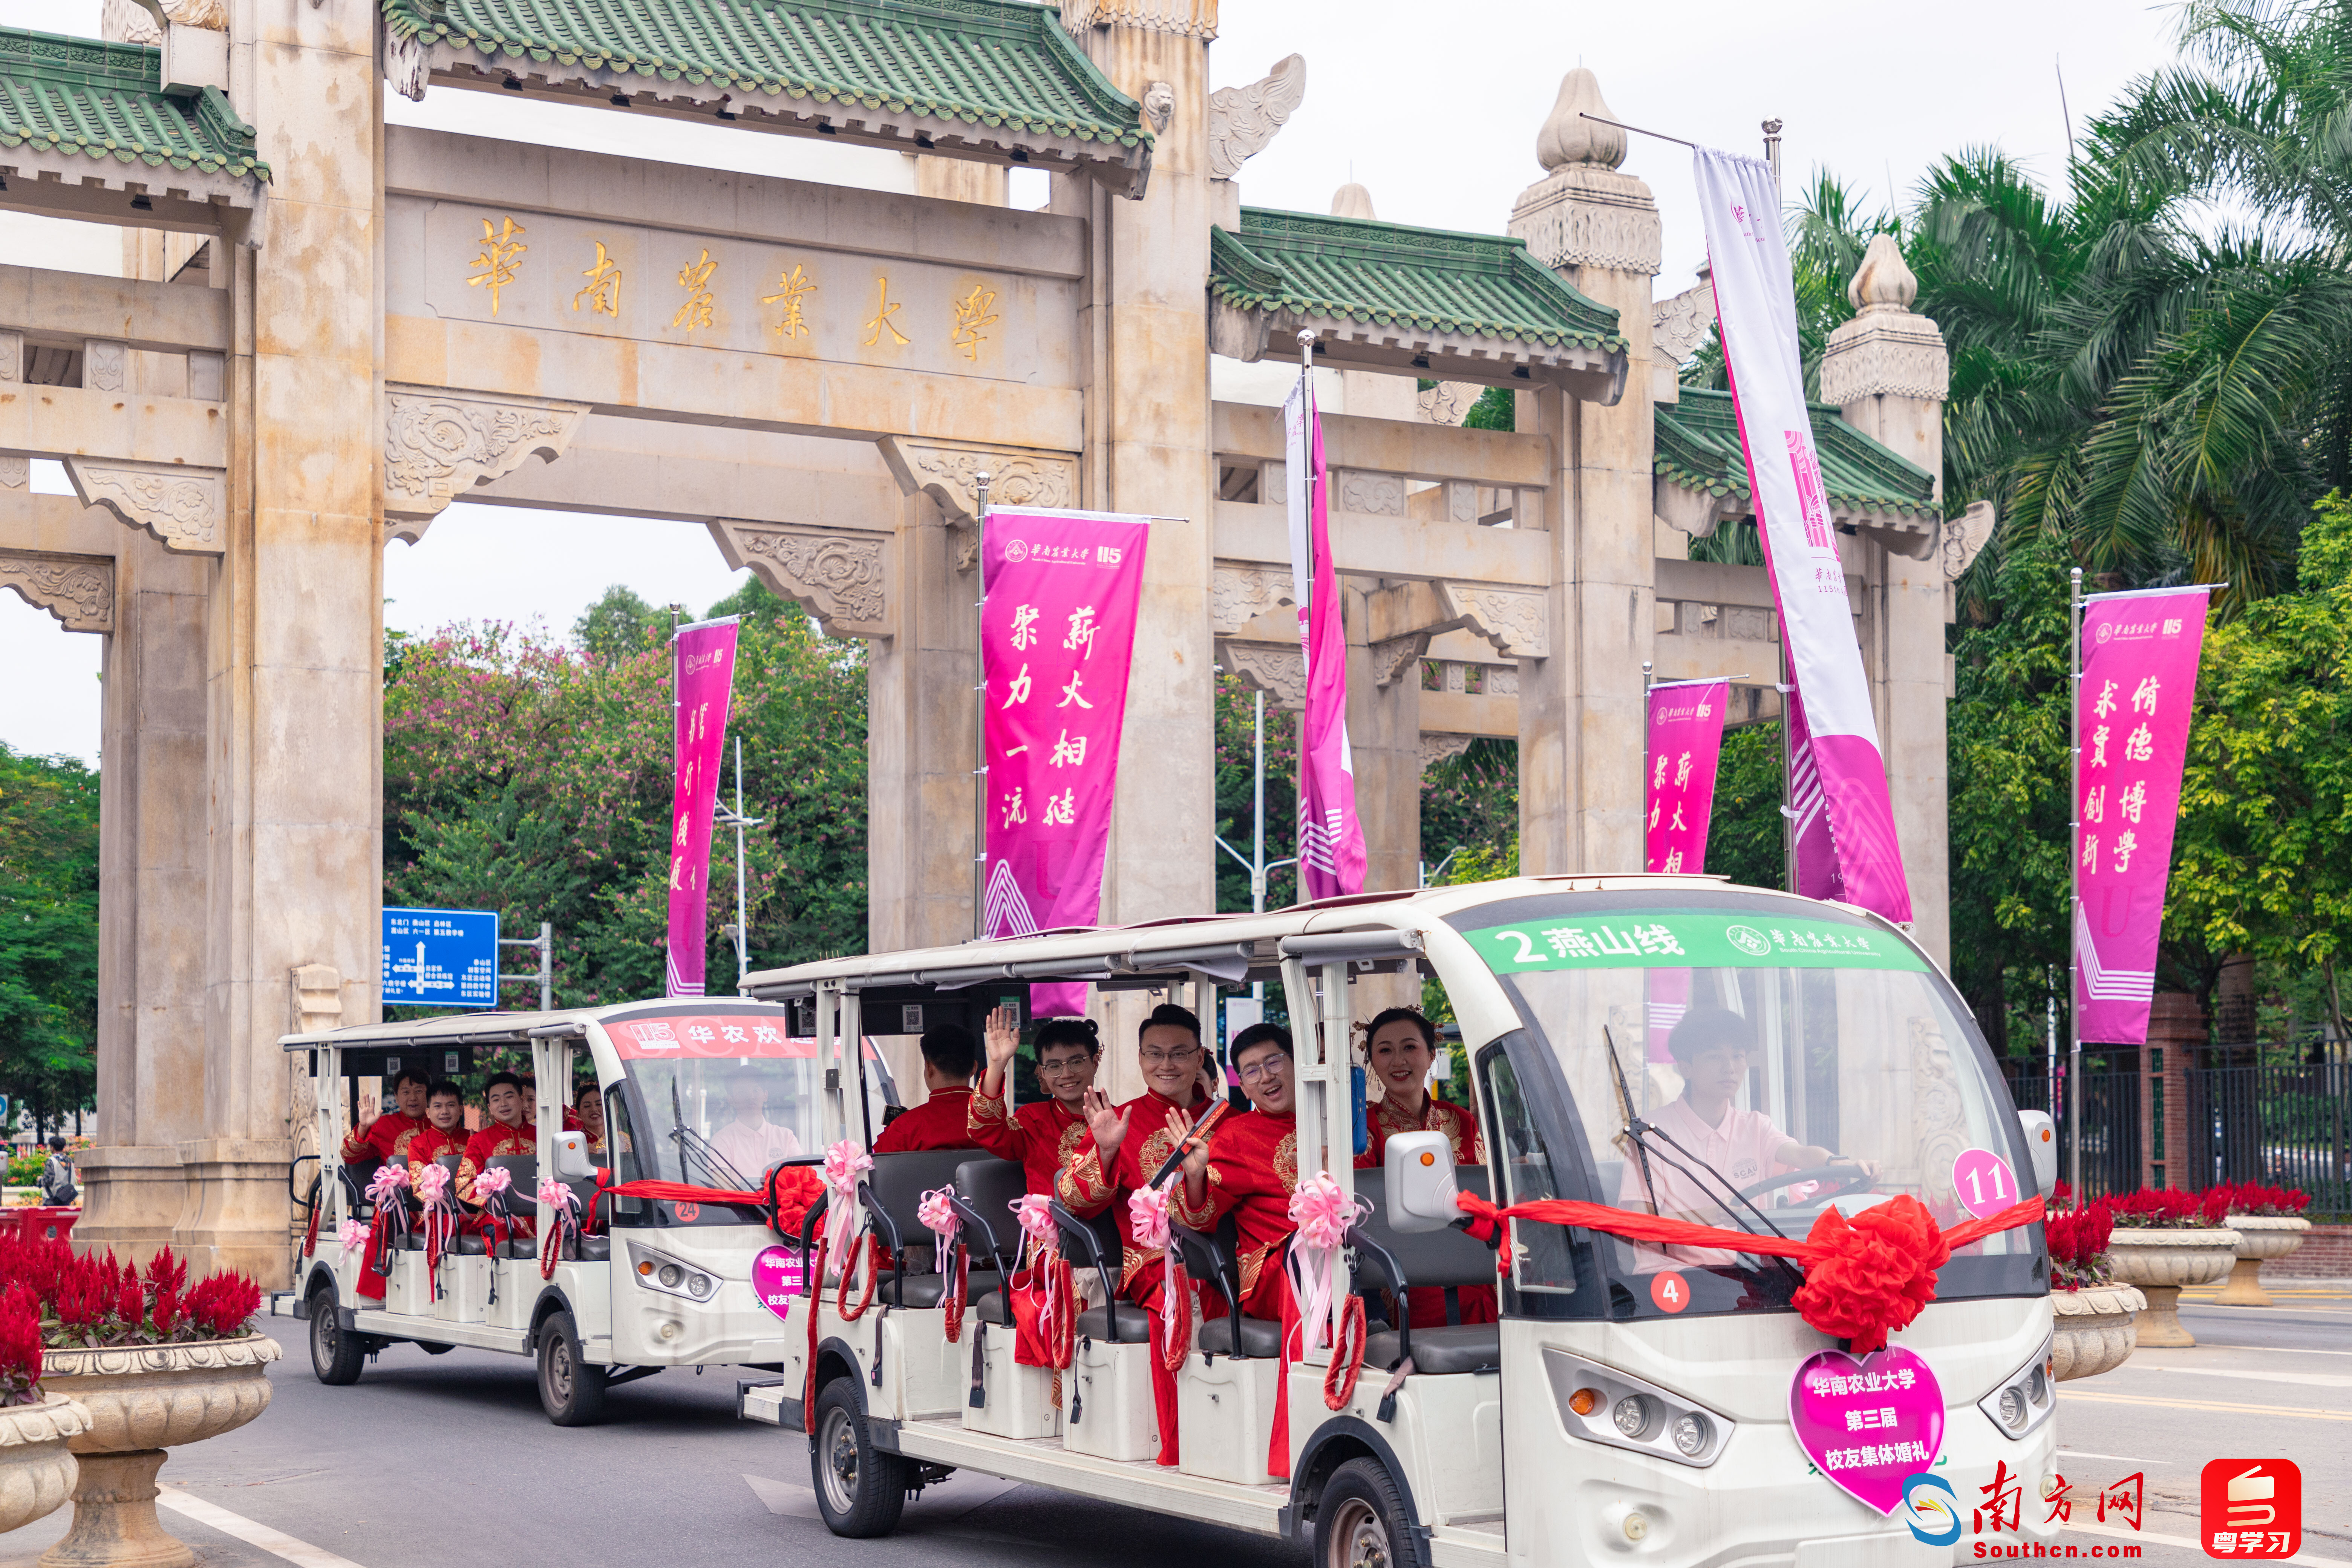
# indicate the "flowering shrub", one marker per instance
pixel 2170 1208
pixel 2259 1202
pixel 2078 1244
pixel 51 1296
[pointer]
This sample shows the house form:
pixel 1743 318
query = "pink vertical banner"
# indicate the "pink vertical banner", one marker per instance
pixel 1331 854
pixel 1057 635
pixel 1834 752
pixel 703 676
pixel 2140 683
pixel 1686 744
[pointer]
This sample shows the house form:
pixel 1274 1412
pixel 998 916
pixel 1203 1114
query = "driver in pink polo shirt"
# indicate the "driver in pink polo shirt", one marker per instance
pixel 1712 1048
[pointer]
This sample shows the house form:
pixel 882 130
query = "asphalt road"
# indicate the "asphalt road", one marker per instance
pixel 432 1461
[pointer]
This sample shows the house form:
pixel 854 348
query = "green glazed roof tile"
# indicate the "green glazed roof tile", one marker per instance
pixel 1477 285
pixel 1698 448
pixel 995 63
pixel 106 101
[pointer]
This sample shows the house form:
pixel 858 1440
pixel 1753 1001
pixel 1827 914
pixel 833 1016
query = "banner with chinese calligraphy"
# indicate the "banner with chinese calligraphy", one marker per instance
pixel 1686 743
pixel 1058 598
pixel 1754 306
pixel 703 673
pixel 1331 854
pixel 2139 679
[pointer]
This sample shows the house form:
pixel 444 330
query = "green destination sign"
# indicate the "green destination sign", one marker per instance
pixel 1689 939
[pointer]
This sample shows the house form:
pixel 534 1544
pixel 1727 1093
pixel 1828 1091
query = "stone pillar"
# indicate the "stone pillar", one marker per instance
pixel 1888 371
pixel 1580 709
pixel 1147 340
pixel 961 180
pixel 152 828
pixel 2175 1030
pixel 918 762
pixel 295 624
pixel 1384 740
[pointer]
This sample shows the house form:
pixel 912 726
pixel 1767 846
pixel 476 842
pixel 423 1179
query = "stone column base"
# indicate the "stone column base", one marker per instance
pixel 2245 1286
pixel 131 1201
pixel 236 1214
pixel 114 1523
pixel 2160 1327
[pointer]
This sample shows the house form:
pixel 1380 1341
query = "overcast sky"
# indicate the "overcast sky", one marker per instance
pixel 1433 107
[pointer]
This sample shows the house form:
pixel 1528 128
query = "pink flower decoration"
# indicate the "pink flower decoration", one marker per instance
pixel 492 1182
pixel 354 1238
pixel 1147 1217
pixel 389 1181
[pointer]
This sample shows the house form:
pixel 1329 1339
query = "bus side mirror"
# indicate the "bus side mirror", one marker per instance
pixel 2041 1140
pixel 571 1161
pixel 1419 1169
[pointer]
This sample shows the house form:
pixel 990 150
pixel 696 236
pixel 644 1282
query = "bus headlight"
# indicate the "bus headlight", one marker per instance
pixel 1632 1415
pixel 1601 1405
pixel 659 1271
pixel 2024 1399
pixel 1691 1433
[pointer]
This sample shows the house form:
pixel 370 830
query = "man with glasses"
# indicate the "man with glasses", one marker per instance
pixel 1045 1134
pixel 1711 1049
pixel 1130 1142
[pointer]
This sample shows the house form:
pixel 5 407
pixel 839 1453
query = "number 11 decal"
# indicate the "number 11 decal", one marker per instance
pixel 1983 1182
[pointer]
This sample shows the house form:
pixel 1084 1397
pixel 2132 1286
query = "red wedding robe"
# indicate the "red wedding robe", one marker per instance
pixel 1088 1189
pixel 1427 1304
pixel 497 1139
pixel 1043 1135
pixel 940 1123
pixel 1253 1171
pixel 386 1137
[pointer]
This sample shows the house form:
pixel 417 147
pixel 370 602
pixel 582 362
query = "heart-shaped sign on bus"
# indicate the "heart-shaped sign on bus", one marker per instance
pixel 778 1275
pixel 1868 1422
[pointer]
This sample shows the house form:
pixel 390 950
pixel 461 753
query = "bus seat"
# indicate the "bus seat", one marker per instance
pixel 520 1199
pixel 1215 1257
pixel 993 1308
pixel 1259 1337
pixel 985 1191
pixel 356 1175
pixel 1400 1260
pixel 892 1196
pixel 1134 1324
pixel 1098 1244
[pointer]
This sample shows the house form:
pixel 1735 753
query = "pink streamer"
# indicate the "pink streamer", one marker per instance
pixel 433 1185
pixel 1147 1216
pixel 844 1162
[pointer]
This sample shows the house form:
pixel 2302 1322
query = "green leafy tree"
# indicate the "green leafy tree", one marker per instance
pixel 49 933
pixel 618 623
pixel 1236 763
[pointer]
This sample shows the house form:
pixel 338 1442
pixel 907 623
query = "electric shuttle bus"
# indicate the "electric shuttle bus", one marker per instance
pixel 1661 1404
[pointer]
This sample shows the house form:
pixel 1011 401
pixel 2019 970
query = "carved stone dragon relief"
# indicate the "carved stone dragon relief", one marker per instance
pixel 77 589
pixel 184 507
pixel 1243 120
pixel 439 445
pixel 842 579
pixel 1965 535
pixel 1679 324
pixel 1239 595
pixel 1276 668
pixel 1517 621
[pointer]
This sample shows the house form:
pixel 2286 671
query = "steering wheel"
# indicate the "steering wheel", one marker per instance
pixel 1846 1177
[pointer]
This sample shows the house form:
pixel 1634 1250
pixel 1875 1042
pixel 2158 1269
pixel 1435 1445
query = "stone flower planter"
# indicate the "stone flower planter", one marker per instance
pixel 2094 1331
pixel 141 1400
pixel 2161 1262
pixel 2261 1238
pixel 37 1467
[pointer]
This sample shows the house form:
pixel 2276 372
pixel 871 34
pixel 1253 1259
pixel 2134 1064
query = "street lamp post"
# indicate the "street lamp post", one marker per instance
pixel 740 932
pixel 1255 862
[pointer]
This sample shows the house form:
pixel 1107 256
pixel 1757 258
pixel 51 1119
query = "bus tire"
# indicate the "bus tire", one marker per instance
pixel 1361 1521
pixel 571 1390
pixel 860 1490
pixel 335 1353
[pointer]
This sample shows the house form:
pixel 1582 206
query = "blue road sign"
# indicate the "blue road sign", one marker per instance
pixel 441 958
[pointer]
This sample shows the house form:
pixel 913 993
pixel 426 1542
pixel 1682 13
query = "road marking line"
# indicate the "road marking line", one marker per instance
pixel 2118 1459
pixel 275 1542
pixel 2209 1405
pixel 2191 1545
pixel 783 1498
pixel 2310 1378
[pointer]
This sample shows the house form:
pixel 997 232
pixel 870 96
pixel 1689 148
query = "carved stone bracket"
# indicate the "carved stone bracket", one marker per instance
pixel 1678 324
pixel 185 508
pixel 1239 595
pixel 1278 669
pixel 1375 494
pixel 1449 402
pixel 949 474
pixel 1243 120
pixel 842 579
pixel 77 589
pixel 439 445
pixel 1435 749
pixel 1517 621
pixel 1965 535
pixel 1393 658
pixel 407 63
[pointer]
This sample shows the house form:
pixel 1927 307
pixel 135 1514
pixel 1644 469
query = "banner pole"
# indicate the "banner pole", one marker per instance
pixel 980 712
pixel 2074 886
pixel 1648 671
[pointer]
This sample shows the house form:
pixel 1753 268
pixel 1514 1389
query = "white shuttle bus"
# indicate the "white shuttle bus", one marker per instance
pixel 687 1089
pixel 1631 1406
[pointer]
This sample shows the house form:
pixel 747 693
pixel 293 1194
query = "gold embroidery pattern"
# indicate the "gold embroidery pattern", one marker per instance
pixel 1080 1182
pixel 1072 1136
pixel 987 1114
pixel 1285 1161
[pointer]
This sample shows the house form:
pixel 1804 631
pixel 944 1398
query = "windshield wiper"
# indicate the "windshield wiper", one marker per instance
pixel 1640 1129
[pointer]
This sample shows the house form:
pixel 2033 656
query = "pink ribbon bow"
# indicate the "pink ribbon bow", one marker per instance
pixel 433 1186
pixel 354 1238
pixel 557 1195
pixel 1147 1217
pixel 492 1182
pixel 1035 1215
pixel 939 1216
pixel 1324 1215
pixel 844 1162
pixel 389 1181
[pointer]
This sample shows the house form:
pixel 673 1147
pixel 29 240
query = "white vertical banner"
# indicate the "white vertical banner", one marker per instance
pixel 1756 307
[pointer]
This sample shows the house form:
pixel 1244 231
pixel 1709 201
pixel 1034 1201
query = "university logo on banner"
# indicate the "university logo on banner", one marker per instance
pixel 1846 846
pixel 703 677
pixel 1058 598
pixel 2140 660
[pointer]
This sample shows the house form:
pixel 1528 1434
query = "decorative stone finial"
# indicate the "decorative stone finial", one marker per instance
pixel 1352 200
pixel 1569 138
pixel 1883 281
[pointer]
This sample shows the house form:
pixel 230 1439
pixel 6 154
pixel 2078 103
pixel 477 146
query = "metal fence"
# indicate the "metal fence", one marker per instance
pixel 2284 1126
